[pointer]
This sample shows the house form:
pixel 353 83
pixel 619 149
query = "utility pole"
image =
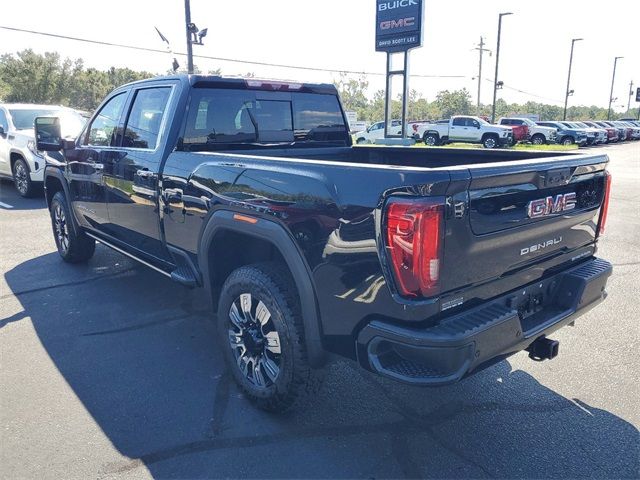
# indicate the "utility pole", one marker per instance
pixel 480 49
pixel 495 80
pixel 613 79
pixel 567 91
pixel 187 22
pixel 630 95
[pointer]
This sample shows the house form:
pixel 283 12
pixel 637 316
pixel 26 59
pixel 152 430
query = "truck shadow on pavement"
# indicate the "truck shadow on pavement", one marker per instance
pixel 10 199
pixel 139 353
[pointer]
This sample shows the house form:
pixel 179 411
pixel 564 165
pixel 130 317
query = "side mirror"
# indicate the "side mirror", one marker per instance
pixel 2 132
pixel 48 136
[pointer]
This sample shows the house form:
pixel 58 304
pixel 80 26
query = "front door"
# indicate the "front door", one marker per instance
pixel 132 182
pixel 94 154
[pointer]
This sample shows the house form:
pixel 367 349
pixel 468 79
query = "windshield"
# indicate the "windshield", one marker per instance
pixel 481 120
pixel 70 122
pixel 531 123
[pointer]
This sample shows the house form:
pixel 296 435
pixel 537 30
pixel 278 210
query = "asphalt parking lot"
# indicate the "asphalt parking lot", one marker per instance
pixel 109 370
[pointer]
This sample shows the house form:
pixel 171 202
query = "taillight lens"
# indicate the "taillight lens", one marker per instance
pixel 604 208
pixel 414 242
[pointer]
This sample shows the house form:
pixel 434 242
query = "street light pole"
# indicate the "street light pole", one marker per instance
pixel 495 80
pixel 566 94
pixel 613 79
pixel 630 95
pixel 187 20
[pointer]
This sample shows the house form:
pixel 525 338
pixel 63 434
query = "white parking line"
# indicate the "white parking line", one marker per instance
pixel 5 205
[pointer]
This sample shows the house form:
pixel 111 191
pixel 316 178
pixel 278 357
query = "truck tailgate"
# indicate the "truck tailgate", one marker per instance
pixel 523 214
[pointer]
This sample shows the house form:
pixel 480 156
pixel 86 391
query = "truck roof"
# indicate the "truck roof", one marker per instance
pixel 250 83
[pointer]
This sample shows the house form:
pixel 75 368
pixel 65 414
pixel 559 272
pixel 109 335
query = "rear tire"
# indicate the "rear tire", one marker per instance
pixel 431 139
pixel 22 180
pixel 73 247
pixel 490 141
pixel 262 337
pixel 361 141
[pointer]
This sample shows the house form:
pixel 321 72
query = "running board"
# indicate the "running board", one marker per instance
pixel 124 252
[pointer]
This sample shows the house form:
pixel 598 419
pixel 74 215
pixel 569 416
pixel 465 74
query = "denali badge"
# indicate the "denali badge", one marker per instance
pixel 546 206
pixel 540 246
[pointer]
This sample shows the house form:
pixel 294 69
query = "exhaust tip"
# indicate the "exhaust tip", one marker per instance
pixel 543 349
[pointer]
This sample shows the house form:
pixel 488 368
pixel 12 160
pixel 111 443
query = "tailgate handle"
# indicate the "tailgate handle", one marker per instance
pixel 554 178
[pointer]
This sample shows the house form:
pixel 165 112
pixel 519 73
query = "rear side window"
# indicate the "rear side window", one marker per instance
pixel 223 117
pixel 143 124
pixel 102 131
pixel 459 122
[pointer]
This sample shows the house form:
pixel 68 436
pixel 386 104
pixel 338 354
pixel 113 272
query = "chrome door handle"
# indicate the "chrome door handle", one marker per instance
pixel 97 166
pixel 145 173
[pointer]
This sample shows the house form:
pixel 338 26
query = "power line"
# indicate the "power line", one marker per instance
pixel 525 92
pixel 249 62
pixel 207 57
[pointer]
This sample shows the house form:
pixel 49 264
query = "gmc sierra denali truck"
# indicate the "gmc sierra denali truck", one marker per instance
pixel 422 265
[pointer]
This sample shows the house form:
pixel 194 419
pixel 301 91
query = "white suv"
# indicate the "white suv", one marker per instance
pixel 19 158
pixel 376 131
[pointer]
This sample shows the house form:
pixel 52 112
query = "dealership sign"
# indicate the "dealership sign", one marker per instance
pixel 398 25
pixel 638 95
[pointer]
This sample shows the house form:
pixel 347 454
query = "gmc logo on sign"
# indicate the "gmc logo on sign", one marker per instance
pixel 546 206
pixel 402 22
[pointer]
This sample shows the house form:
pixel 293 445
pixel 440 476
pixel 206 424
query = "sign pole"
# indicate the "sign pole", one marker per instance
pixel 398 30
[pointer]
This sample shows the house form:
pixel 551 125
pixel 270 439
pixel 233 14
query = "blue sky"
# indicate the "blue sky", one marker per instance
pixel 339 34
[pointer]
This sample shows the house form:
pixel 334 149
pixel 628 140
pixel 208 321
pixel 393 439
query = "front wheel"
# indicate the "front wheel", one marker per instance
pixel 261 333
pixel 567 141
pixel 73 247
pixel 22 180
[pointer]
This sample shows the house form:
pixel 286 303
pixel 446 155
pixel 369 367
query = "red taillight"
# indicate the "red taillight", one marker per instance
pixel 604 208
pixel 413 234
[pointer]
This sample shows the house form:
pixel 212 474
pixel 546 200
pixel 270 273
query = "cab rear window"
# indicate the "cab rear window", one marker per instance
pixel 220 117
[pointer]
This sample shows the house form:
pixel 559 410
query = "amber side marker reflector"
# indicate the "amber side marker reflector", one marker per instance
pixel 244 218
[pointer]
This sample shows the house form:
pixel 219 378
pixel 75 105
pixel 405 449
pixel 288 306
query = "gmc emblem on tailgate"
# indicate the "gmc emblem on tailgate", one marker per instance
pixel 546 206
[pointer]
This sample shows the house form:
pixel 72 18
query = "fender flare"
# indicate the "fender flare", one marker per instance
pixel 21 154
pixel 271 231
pixel 56 173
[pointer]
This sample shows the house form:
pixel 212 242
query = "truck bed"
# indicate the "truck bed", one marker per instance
pixel 407 157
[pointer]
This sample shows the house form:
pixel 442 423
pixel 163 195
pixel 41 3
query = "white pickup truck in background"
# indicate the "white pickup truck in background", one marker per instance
pixel 465 129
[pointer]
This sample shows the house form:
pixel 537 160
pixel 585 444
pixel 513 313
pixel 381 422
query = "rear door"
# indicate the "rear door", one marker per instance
pixel 458 131
pixel 132 182
pixel 524 216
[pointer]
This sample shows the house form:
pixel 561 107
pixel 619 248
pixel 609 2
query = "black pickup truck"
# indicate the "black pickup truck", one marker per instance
pixel 424 265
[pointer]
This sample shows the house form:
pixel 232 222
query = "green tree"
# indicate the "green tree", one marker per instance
pixel 352 93
pixel 457 102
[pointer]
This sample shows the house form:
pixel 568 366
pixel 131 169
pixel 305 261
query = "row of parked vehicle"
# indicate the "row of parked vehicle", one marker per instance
pixel 508 131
